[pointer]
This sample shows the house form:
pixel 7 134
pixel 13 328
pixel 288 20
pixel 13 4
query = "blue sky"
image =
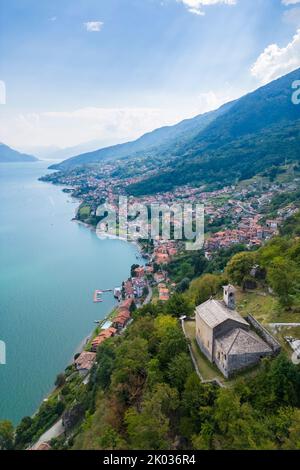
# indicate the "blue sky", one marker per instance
pixel 78 70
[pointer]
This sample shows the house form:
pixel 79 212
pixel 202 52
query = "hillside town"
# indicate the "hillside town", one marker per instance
pixel 233 215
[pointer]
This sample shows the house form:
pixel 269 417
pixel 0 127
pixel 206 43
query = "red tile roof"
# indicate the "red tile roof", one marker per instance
pixel 85 361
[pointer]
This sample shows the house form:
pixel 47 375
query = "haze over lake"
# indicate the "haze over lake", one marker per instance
pixel 49 270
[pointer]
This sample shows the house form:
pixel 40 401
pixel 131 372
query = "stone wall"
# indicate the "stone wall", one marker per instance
pixel 239 362
pixel 264 333
pixel 204 337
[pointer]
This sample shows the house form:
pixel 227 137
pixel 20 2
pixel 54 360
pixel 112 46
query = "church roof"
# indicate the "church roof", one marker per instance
pixel 215 312
pixel 239 341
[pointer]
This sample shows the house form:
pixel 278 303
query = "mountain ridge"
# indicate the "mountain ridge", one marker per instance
pixel 9 155
pixel 234 146
pixel 151 141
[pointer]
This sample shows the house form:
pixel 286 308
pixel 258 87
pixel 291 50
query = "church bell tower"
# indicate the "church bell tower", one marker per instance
pixel 229 296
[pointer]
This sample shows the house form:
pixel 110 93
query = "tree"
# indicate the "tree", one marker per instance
pixel 281 277
pixel 130 370
pixel 239 267
pixel 283 382
pixel 6 435
pixel 200 263
pixel 149 429
pixel 154 374
pixel 24 432
pixel 185 270
pixel 206 287
pixel 292 442
pixel 163 324
pixel 60 380
pixel 183 285
pixel 146 430
pixel 163 398
pixel 179 369
pixel 238 426
pixel 133 268
pixel 203 441
pixel 196 396
pixel 272 250
pixel 111 440
pixel 172 342
pixel 105 361
pixel 178 305
pixel 143 327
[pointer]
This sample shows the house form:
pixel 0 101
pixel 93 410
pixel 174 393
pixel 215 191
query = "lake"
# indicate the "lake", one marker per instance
pixel 49 269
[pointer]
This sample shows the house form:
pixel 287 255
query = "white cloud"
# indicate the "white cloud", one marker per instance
pixel 292 16
pixel 69 128
pixel 196 6
pixel 276 61
pixel 290 2
pixel 93 26
pixel 213 99
pixel 73 127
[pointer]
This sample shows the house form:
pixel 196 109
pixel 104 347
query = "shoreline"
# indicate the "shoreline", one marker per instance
pixel 81 346
pixel 110 237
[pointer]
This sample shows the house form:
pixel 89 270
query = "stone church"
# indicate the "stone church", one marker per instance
pixel 225 337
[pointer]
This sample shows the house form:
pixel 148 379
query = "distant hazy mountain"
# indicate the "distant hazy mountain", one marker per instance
pixel 154 142
pixel 41 152
pixel 57 153
pixel 8 155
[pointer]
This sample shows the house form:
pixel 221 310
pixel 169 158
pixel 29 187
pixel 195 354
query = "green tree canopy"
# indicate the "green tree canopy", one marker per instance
pixel 239 267
pixel 6 435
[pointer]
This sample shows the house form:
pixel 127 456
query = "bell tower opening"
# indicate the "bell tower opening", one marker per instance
pixel 229 296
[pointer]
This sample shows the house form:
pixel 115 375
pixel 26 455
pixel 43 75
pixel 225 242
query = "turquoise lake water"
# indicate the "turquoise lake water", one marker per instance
pixel 49 269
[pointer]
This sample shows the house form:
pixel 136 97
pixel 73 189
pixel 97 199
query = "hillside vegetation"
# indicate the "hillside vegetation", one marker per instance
pixel 155 144
pixel 259 131
pixel 244 138
pixel 144 392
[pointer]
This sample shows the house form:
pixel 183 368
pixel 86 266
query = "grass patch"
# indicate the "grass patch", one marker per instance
pixel 264 307
pixel 84 212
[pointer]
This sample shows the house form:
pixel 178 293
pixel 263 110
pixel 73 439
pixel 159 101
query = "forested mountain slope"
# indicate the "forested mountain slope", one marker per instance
pixel 261 129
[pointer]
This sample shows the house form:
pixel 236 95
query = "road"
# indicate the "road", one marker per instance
pixel 149 296
pixel 56 430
